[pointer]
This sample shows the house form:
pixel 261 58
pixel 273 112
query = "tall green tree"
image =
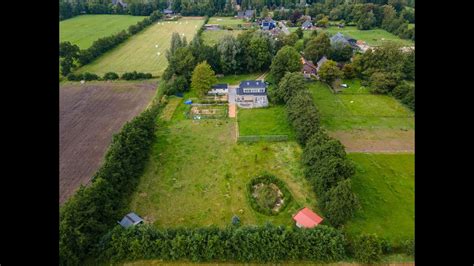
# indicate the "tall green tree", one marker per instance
pixel 341 203
pixel 317 47
pixel 259 52
pixel 329 72
pixel 229 48
pixel 286 60
pixel 291 83
pixel 203 78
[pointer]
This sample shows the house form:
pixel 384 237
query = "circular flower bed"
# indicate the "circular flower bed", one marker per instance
pixel 268 194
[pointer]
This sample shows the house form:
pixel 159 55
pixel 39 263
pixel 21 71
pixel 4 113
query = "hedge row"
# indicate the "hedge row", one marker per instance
pixel 95 209
pixel 109 76
pixel 238 244
pixel 326 166
pixel 268 179
pixel 105 44
pixel 257 138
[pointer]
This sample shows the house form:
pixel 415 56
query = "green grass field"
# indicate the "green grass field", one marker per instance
pixel 374 37
pixel 85 29
pixel 211 37
pixel 197 175
pixel 385 185
pixel 140 52
pixel 236 79
pixel 226 21
pixel 346 111
pixel 264 121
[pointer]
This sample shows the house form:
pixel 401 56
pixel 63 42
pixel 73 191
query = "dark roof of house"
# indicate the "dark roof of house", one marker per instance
pixel 240 91
pixel 219 86
pixel 252 84
pixel 309 65
pixel 130 219
pixel 168 11
pixel 321 61
pixel 307 24
pixel 249 13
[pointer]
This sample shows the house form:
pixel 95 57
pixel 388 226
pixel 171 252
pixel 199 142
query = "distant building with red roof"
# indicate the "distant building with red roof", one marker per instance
pixel 306 218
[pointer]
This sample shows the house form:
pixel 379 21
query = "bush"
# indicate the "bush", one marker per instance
pixel 368 248
pixel 136 75
pixel 241 244
pixel 341 203
pixel 74 77
pixel 90 76
pixel 303 115
pixel 110 76
pixel 408 246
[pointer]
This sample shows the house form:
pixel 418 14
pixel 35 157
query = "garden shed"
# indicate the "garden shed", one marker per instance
pixel 130 219
pixel 306 218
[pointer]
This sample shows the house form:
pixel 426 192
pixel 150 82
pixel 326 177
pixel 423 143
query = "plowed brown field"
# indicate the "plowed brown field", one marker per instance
pixel 89 115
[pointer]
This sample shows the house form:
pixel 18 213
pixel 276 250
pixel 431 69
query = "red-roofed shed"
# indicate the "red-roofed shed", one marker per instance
pixel 307 218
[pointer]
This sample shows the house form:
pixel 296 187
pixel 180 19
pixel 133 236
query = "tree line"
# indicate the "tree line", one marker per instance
pixel 234 243
pixel 109 76
pixel 326 166
pixel 71 56
pixel 94 210
pixel 69 9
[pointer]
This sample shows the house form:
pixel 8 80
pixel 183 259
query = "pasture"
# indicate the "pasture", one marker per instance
pixel 211 37
pixel 359 109
pixel 374 37
pixel 145 51
pixel 226 21
pixel 89 114
pixel 85 29
pixel 264 121
pixel 385 185
pixel 197 175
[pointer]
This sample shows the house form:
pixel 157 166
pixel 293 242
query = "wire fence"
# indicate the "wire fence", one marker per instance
pixel 257 138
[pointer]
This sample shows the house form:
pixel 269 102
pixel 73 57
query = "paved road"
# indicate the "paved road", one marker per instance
pixel 284 28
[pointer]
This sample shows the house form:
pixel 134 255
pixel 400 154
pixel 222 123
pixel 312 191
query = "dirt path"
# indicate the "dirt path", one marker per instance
pixel 377 141
pixel 232 110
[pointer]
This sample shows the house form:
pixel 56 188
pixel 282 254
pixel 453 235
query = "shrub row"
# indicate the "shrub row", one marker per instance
pixel 242 244
pixel 95 209
pixel 105 44
pixel 268 179
pixel 109 76
pixel 326 166
pixel 257 138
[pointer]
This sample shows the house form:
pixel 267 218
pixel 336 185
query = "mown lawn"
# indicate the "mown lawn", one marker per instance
pixel 83 30
pixel 374 37
pixel 385 185
pixel 145 51
pixel 346 111
pixel 211 37
pixel 226 21
pixel 264 121
pixel 197 175
pixel 236 79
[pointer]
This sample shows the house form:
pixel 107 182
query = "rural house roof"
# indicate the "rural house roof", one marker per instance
pixel 321 61
pixel 251 84
pixel 307 218
pixel 249 13
pixel 168 11
pixel 339 38
pixel 130 219
pixel 307 24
